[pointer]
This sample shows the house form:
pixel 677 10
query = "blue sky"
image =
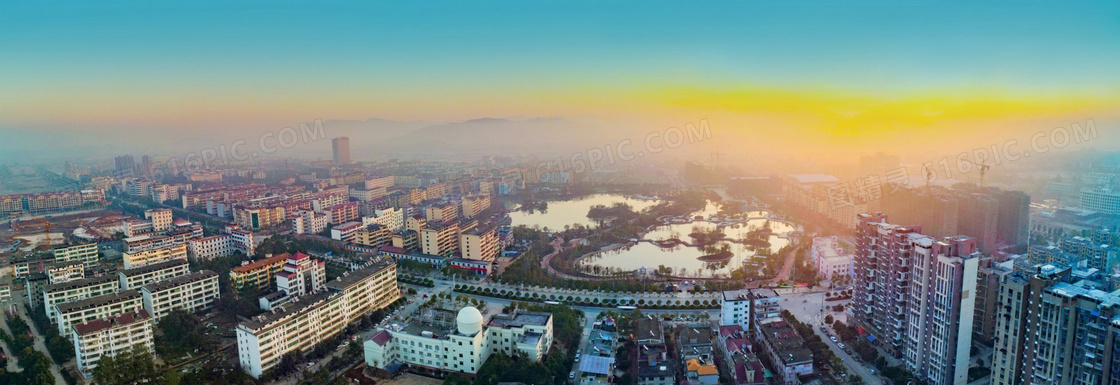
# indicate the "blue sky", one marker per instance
pixel 187 64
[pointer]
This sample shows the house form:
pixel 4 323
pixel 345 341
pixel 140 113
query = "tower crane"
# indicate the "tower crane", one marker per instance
pixel 46 230
pixel 983 169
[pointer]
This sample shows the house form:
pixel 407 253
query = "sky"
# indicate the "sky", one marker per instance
pixel 808 76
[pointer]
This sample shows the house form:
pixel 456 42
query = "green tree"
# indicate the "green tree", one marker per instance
pixel 133 366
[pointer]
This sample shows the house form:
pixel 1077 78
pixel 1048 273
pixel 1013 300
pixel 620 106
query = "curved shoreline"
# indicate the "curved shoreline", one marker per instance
pixel 668 221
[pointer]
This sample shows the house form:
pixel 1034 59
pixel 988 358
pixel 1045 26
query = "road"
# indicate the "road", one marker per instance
pixel 13 362
pixel 808 308
pixel 39 344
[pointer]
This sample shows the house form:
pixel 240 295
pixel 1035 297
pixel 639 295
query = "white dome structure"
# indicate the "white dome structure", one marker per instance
pixel 469 320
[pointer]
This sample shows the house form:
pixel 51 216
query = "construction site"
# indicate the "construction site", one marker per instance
pixel 24 235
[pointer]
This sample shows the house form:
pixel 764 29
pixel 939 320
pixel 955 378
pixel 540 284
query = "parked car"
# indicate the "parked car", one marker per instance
pixel 833 338
pixel 841 345
pixel 572 375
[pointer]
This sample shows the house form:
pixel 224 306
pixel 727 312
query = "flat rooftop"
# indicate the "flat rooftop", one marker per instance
pixel 100 300
pixel 352 278
pixel 261 263
pixel 741 294
pixel 297 305
pixel 153 267
pixel 521 319
pixel 180 280
pixel 79 283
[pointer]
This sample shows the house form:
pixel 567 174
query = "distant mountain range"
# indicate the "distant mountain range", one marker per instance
pixel 477 136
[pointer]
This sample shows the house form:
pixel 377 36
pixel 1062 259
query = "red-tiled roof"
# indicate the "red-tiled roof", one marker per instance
pixel 734 344
pixel 381 338
pixel 261 263
pixel 105 323
pixel 729 330
pixel 392 249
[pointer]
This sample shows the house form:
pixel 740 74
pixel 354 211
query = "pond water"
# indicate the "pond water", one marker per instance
pixel 574 211
pixel 684 259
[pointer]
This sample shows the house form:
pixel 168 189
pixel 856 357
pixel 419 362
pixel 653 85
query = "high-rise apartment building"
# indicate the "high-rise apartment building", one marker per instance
pixel 940 319
pixel 1015 339
pixel 126 165
pixel 978 217
pixel 341 147
pixel 1014 217
pixel 916 295
pixel 146 165
pixel 1067 332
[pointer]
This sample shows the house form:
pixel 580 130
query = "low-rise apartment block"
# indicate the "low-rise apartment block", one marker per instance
pixel 308 320
pixel 345 232
pixel 440 239
pixel 301 275
pixel 86 253
pixel 89 309
pixel 310 222
pixel 193 293
pixel 140 276
pixel 832 258
pixel 59 272
pixel 373 235
pixel 479 244
pixel 786 351
pixel 73 291
pixel 391 218
pixel 474 205
pixel 442 213
pixel 153 256
pixel 747 307
pixel 110 336
pixel 258 274
pixel 346 212
pixel 221 245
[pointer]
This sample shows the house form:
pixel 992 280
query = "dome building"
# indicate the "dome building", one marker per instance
pixel 462 345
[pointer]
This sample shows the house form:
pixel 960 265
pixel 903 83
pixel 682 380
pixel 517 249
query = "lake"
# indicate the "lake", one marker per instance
pixel 574 211
pixel 644 254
